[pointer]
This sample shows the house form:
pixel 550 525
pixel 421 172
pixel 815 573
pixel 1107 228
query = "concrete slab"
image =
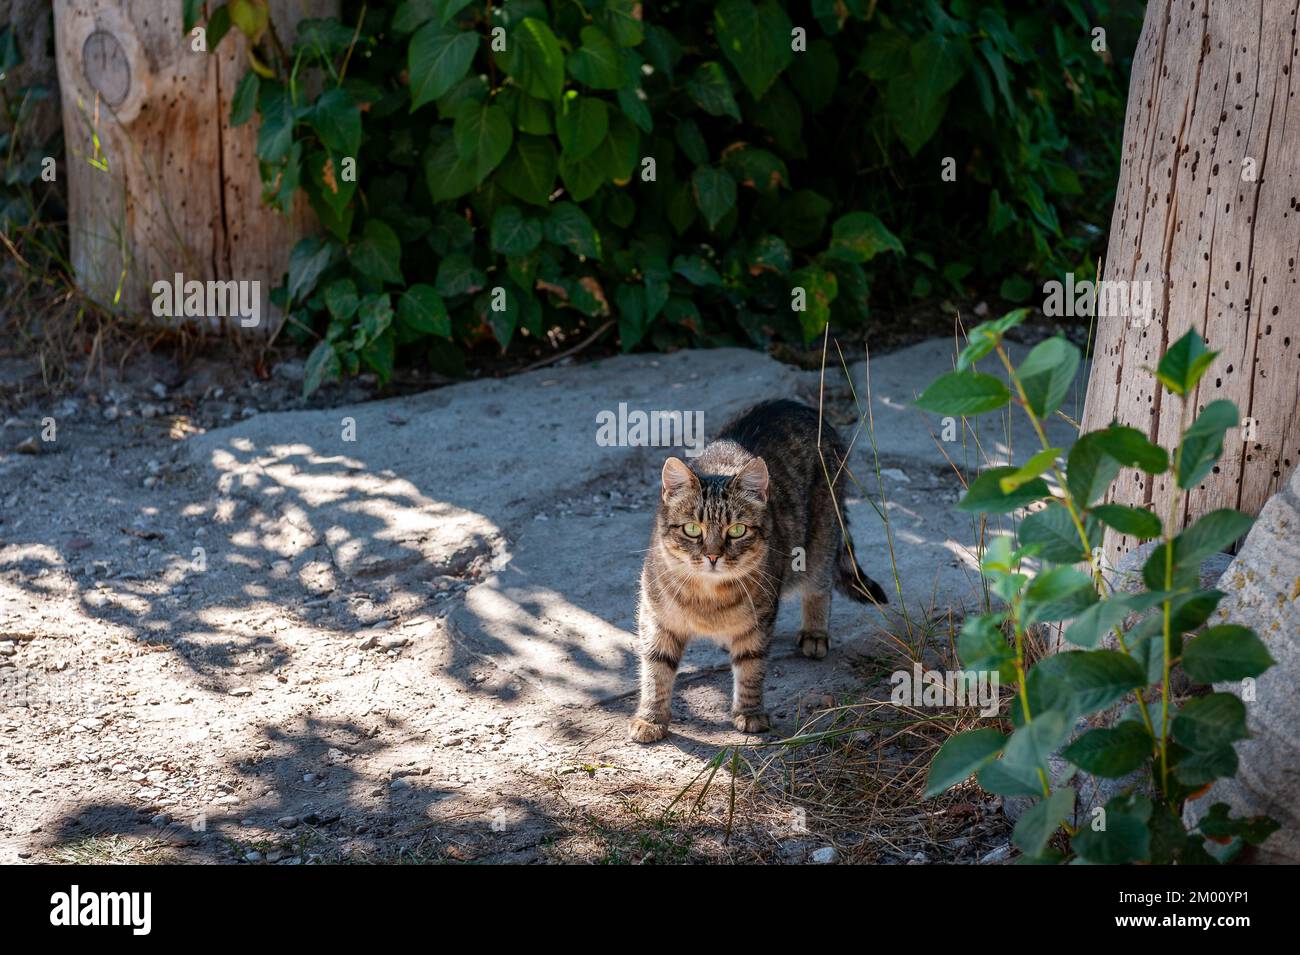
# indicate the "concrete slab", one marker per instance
pixel 509 473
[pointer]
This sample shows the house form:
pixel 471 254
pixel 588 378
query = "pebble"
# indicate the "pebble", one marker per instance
pixel 240 691
pixel 161 819
pixel 28 446
pixel 287 822
pixel 1000 854
pixel 826 855
pixel 253 856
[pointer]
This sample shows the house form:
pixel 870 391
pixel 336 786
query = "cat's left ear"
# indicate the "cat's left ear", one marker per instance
pixel 753 479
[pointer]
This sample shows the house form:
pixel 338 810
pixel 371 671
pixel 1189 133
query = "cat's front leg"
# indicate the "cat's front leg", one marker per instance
pixel 748 667
pixel 661 653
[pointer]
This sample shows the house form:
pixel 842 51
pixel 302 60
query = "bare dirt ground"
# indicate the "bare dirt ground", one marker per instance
pixel 213 650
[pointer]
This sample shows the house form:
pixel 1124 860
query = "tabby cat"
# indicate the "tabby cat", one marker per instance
pixel 725 546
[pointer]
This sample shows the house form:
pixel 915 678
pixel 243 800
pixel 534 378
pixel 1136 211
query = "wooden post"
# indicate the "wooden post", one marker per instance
pixel 1207 211
pixel 158 182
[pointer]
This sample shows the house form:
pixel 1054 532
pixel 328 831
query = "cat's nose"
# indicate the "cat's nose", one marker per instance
pixel 713 558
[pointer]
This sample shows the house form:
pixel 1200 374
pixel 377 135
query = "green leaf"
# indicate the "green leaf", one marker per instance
pixel 1125 837
pixel 483 135
pixel 1058 594
pixel 374 317
pixel 1213 532
pixel 337 122
pixel 1026 754
pixel 1226 652
pixel 529 172
pixel 458 276
pixel 960 756
pixel 985 494
pixel 447 175
pixel 191 11
pixel 623 17
pixel 1203 442
pixel 309 258
pixel 379 253
pixel 249 17
pixel 1047 373
pixel 1096 621
pixel 767 253
pixel 964 393
pixel 244 101
pixel 1130 447
pixel 755 39
pixel 1080 682
pixel 582 124
pixel 1089 470
pixel 1042 820
pixel 1134 521
pixel 1111 753
pixel 437 59
pixel 379 355
pixel 322 366
pixel 1208 723
pixel 275 135
pixel 983 646
pixel 597 63
pixel 1053 531
pixel 514 233
pixel 535 60
pixel 820 287
pixel 421 309
pixel 218 26
pixel 1035 466
pixel 711 91
pixel 697 270
pixel 1182 366
pixel 715 193
pixel 860 237
pixel 341 299
pixel 568 226
pixel 631 315
pixel 1218 824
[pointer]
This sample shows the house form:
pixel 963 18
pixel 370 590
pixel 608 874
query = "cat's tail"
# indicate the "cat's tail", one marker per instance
pixel 852 581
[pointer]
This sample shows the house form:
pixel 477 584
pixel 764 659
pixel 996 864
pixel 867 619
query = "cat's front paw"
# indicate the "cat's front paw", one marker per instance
pixel 752 722
pixel 814 643
pixel 644 731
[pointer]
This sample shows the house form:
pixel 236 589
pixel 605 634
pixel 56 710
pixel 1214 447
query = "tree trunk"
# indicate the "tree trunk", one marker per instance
pixel 1206 210
pixel 180 192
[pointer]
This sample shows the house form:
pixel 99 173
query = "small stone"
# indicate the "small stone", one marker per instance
pixel 28 446
pixel 826 855
pixel 394 642
pixel 161 819
pixel 287 822
pixel 240 691
pixel 399 784
pixel 1000 854
pixel 253 856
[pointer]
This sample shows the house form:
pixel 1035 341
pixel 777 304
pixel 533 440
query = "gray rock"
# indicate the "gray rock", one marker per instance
pixel 1263 592
pixel 287 822
pixel 826 855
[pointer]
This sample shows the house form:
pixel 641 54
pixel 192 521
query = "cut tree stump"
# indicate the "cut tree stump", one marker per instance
pixel 1207 211
pixel 171 188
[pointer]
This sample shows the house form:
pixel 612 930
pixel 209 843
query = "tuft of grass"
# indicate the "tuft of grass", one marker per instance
pixel 113 849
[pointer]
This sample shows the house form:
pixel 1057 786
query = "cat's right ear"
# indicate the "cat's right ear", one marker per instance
pixel 677 477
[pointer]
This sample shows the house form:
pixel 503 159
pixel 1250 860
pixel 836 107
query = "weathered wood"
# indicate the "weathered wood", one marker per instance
pixel 181 191
pixel 1212 102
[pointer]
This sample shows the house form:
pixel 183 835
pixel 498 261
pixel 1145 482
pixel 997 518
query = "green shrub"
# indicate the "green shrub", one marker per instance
pixel 714 173
pixel 1178 751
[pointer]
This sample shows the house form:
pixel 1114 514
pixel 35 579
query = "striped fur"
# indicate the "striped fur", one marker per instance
pixel 763 472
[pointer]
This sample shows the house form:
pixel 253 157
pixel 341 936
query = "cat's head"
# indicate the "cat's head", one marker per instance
pixel 714 525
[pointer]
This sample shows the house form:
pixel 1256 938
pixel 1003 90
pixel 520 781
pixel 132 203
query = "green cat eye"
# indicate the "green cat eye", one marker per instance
pixel 692 530
pixel 737 530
